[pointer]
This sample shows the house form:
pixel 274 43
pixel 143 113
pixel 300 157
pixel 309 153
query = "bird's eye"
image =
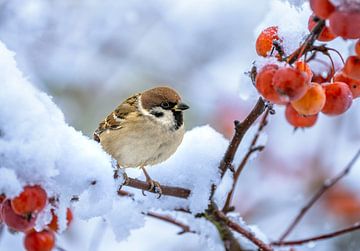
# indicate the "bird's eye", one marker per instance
pixel 165 105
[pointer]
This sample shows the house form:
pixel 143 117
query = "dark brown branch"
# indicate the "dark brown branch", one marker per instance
pixel 309 41
pixel 252 148
pixel 178 192
pixel 184 228
pixel 326 186
pixel 353 228
pixel 247 234
pixel 240 130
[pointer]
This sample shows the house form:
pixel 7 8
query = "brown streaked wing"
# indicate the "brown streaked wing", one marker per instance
pixel 113 120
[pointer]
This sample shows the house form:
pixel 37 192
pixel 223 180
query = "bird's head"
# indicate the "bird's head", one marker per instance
pixel 163 104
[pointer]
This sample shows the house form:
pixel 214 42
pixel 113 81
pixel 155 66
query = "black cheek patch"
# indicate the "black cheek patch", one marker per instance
pixel 157 114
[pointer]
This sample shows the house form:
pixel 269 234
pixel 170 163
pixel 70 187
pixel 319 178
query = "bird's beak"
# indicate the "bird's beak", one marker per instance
pixel 181 107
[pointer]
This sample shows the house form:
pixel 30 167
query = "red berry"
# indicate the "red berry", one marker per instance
pixel 325 35
pixel 290 82
pixel 338 98
pixel 352 67
pixel 39 241
pixel 2 198
pixel 353 84
pixel 357 48
pixel 322 8
pixel 265 86
pixel 345 24
pixel 53 225
pixel 15 221
pixel 31 200
pixel 312 102
pixel 264 42
pixel 305 68
pixel 298 120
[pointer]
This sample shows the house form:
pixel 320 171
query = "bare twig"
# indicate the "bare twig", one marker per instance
pixel 252 148
pixel 244 232
pixel 178 192
pixel 167 218
pixel 326 186
pixel 309 41
pixel 240 130
pixel 350 229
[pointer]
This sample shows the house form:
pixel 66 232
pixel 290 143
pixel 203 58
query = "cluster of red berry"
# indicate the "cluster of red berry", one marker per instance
pixel 20 214
pixel 292 83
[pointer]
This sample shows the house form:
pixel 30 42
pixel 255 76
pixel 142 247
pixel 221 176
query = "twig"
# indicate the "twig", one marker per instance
pixel 240 130
pixel 247 234
pixel 354 227
pixel 252 148
pixel 167 218
pixel 178 192
pixel 326 186
pixel 309 41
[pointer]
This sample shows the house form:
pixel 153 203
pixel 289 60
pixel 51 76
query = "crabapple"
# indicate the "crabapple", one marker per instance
pixel 298 120
pixel 352 67
pixel 265 86
pixel 14 221
pixel 338 98
pixel 345 24
pixel 312 102
pixel 53 225
pixel 353 84
pixel 290 82
pixel 325 35
pixel 31 200
pixel 322 8
pixel 264 42
pixel 39 241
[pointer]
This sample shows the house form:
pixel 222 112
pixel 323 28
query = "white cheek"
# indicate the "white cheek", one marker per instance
pixel 168 119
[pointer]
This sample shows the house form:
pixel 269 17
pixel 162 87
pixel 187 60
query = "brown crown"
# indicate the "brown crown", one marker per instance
pixel 154 97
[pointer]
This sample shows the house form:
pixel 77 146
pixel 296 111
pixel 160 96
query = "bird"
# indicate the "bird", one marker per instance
pixel 144 130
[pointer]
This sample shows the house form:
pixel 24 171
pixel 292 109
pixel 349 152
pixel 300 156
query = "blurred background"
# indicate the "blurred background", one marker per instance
pixel 89 55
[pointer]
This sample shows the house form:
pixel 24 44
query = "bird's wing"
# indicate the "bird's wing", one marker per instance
pixel 115 119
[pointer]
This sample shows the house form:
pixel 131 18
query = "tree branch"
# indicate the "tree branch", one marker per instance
pixel 247 234
pixel 240 130
pixel 252 148
pixel 178 192
pixel 352 228
pixel 326 185
pixel 167 218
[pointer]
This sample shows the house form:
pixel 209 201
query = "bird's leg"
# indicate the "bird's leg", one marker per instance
pixel 153 184
pixel 125 176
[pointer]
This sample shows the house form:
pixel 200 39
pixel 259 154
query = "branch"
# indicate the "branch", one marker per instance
pixel 353 228
pixel 309 41
pixel 240 130
pixel 247 234
pixel 167 218
pixel 326 186
pixel 252 148
pixel 178 192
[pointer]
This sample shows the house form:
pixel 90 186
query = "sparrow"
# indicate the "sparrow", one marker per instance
pixel 145 129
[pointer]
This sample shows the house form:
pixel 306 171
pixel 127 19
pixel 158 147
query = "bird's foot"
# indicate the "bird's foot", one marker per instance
pixel 154 186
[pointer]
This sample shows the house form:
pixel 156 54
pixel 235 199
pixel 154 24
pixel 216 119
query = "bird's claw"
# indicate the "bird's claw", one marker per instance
pixel 154 186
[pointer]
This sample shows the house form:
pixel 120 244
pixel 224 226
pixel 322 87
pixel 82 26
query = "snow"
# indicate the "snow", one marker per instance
pixel 38 147
pixel 195 166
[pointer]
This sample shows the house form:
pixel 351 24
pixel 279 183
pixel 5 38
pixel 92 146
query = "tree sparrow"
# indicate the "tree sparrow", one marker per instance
pixel 145 129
